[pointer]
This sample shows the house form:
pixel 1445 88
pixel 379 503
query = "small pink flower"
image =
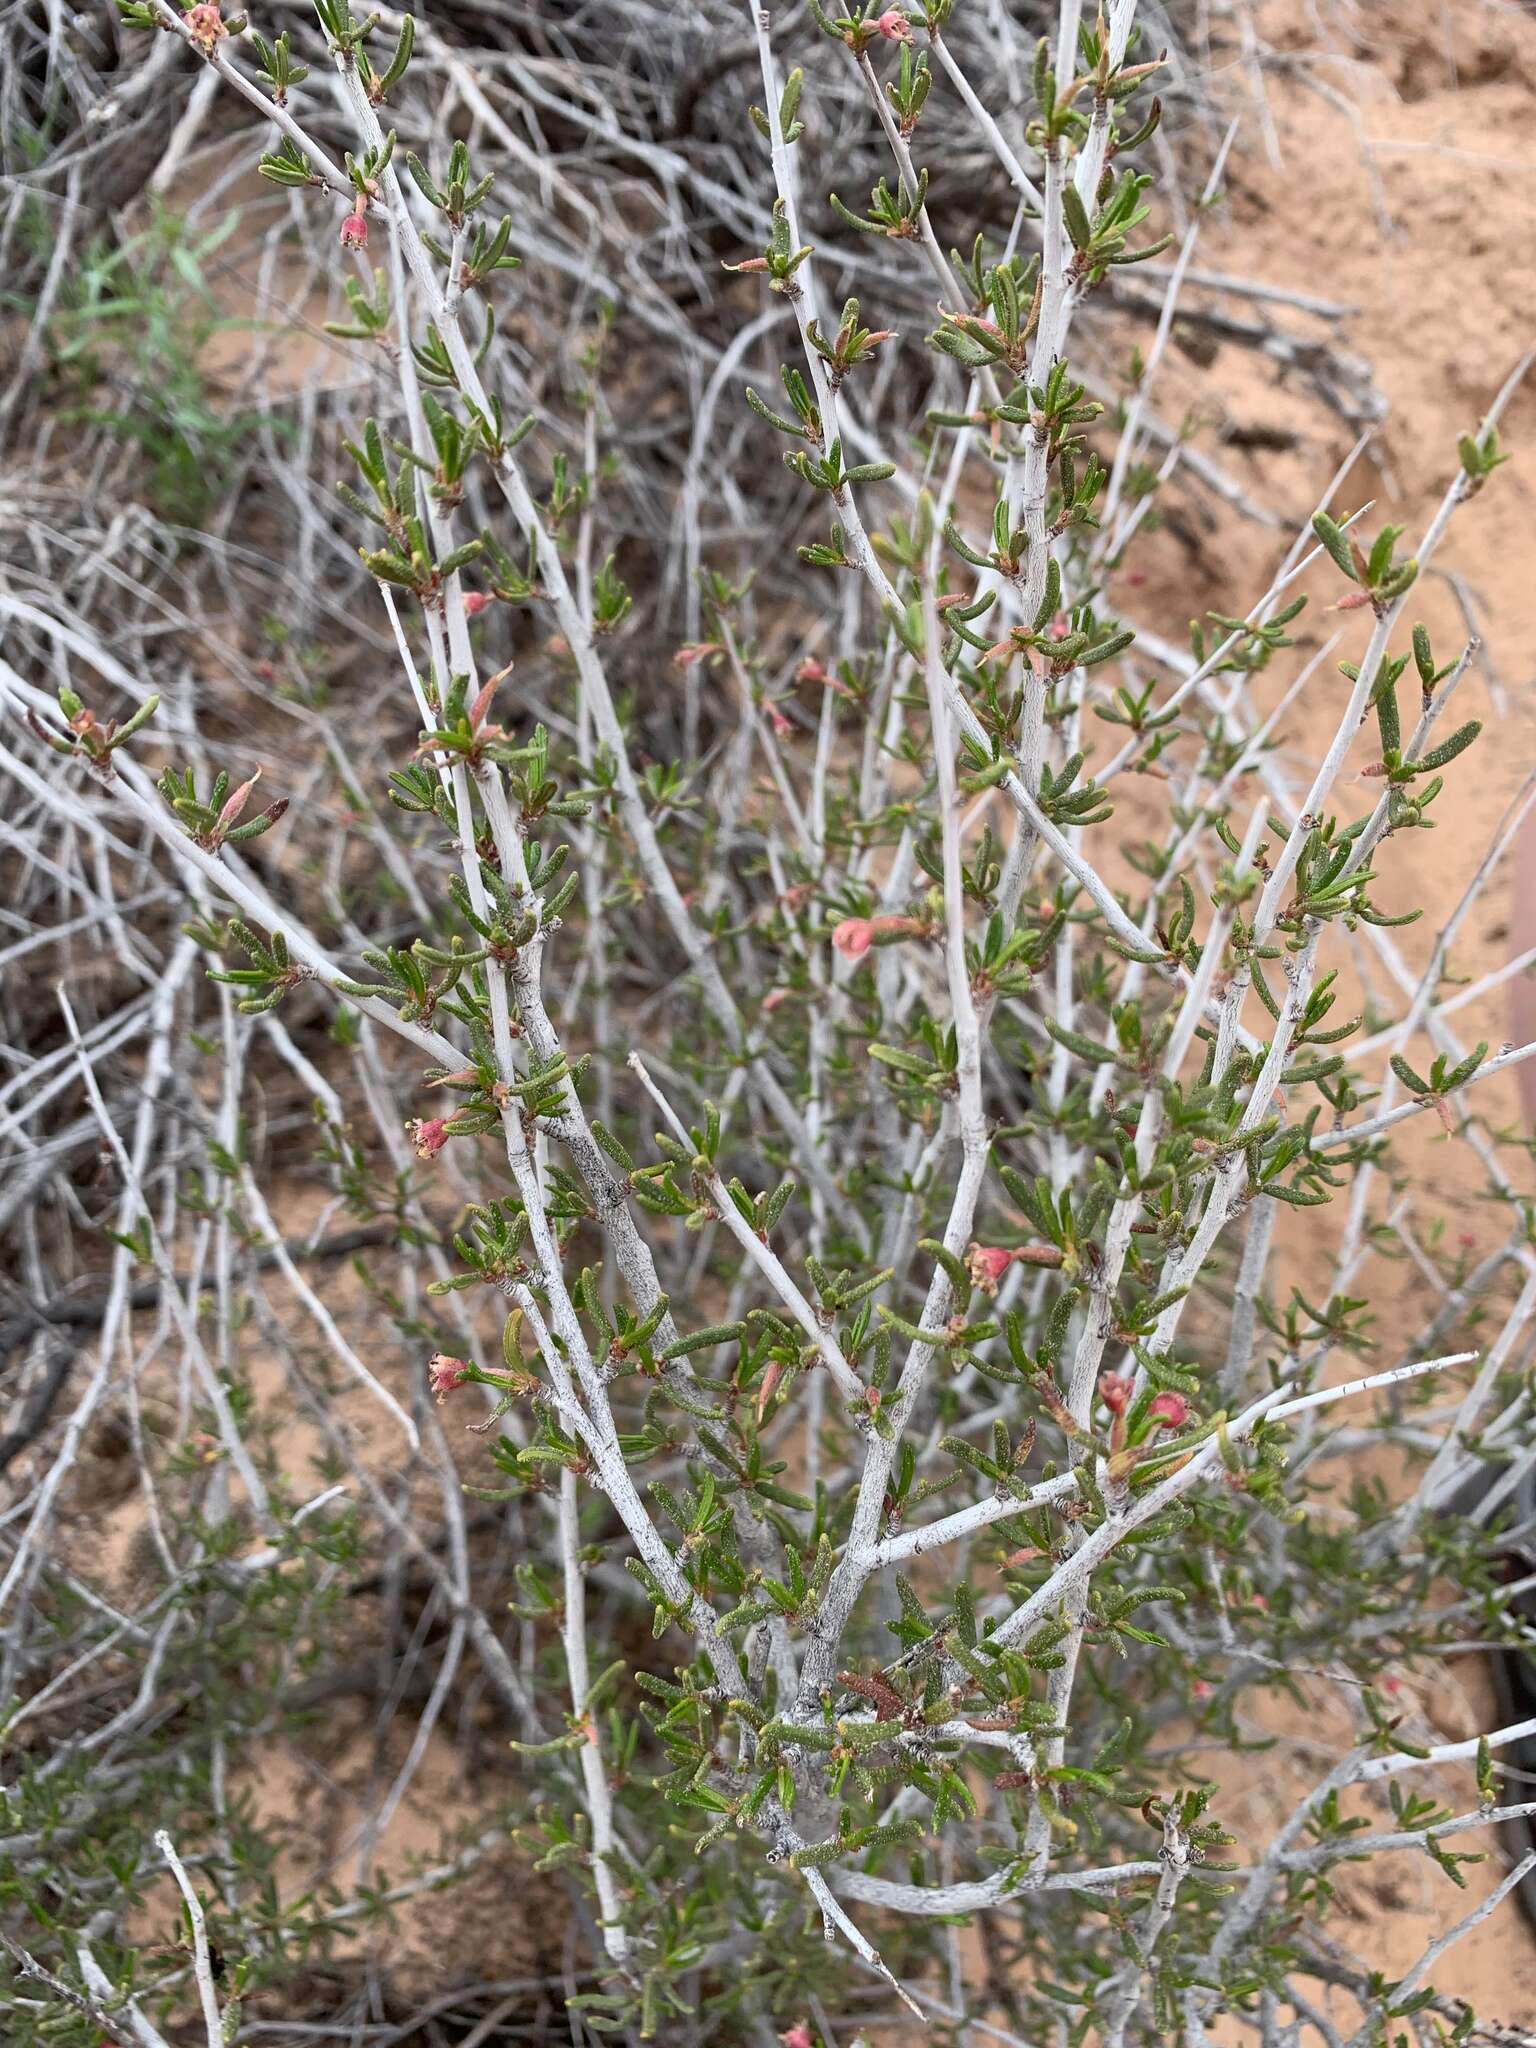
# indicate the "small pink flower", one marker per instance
pixel 854 937
pixel 1114 1392
pixel 798 2036
pixel 446 1375
pixel 772 1000
pixel 475 602
pixel 987 1263
pixel 429 1135
pixel 894 26
pixel 207 26
pixel 695 651
pixel 354 231
pixel 782 726
pixel 812 671
pixel 1203 1689
pixel 1060 626
pixel 1169 1411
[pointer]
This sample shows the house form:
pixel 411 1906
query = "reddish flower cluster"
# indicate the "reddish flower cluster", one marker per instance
pixel 1169 1411
pixel 987 1263
pixel 429 1135
pixel 446 1375
pixel 1115 1392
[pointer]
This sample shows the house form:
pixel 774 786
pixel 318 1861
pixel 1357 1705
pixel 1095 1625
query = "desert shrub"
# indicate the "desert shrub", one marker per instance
pixel 862 1190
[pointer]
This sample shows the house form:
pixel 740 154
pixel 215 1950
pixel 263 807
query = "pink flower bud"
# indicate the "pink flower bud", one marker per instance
pixel 354 231
pixel 812 671
pixel 234 804
pixel 429 1135
pixel 1169 1411
pixel 446 1375
pixel 1202 1689
pixel 798 2036
pixel 854 937
pixel 475 602
pixel 894 26
pixel 987 1263
pixel 782 726
pixel 1114 1392
pixel 769 1387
